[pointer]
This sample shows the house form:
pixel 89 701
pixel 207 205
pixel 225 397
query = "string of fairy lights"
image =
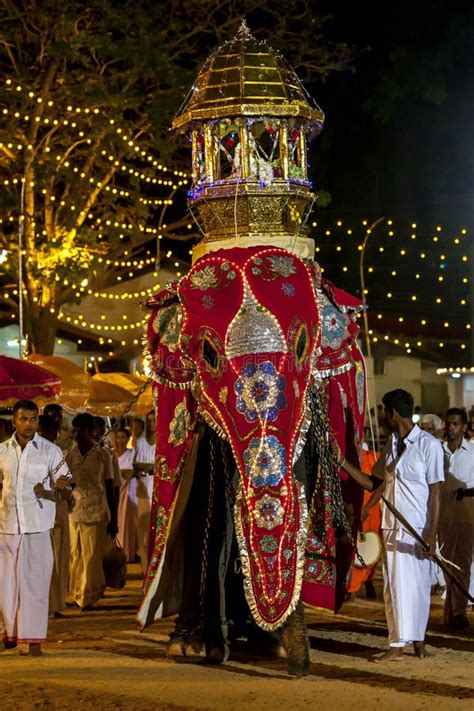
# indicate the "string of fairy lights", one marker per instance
pixel 416 280
pixel 150 173
pixel 423 274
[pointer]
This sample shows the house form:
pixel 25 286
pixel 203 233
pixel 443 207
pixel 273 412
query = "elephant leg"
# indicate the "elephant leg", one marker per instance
pixel 187 642
pixel 295 640
pixel 201 629
pixel 218 547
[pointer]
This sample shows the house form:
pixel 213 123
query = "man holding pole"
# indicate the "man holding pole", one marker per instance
pixel 409 474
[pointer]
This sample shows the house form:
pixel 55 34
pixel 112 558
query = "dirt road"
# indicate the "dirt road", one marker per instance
pixel 98 660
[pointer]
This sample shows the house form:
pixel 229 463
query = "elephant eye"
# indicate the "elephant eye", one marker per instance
pixel 211 351
pixel 301 344
pixel 210 354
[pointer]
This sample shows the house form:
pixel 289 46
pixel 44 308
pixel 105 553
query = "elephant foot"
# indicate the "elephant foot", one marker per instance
pixel 217 653
pixel 295 640
pixel 194 650
pixel 266 644
pixel 175 648
pixel 189 649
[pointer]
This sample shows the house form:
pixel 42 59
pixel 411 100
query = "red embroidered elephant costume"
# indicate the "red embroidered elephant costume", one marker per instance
pixel 254 359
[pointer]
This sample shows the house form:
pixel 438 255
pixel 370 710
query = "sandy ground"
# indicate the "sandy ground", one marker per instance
pixel 98 660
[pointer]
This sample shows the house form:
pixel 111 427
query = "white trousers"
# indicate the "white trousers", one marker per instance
pixel 407 588
pixel 144 497
pixel 26 564
pixel 61 551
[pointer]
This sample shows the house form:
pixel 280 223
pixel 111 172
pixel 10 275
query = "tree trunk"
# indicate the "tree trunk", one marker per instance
pixel 41 331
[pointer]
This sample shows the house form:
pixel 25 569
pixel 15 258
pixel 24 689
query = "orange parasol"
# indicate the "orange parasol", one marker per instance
pixel 132 384
pixel 106 399
pixel 74 381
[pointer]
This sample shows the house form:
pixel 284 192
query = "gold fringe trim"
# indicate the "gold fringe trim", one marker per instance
pixel 209 420
pixel 335 371
pixel 171 384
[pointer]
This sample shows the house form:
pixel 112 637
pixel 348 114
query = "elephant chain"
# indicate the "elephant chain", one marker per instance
pixel 322 428
pixel 207 529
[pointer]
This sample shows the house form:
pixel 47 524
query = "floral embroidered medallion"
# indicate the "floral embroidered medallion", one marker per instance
pixel 333 327
pixel 268 512
pixel 265 461
pixel 269 544
pixel 207 302
pixel 179 425
pixel 204 278
pixel 260 392
pixel 210 277
pixel 167 325
pixel 288 289
pixel 282 266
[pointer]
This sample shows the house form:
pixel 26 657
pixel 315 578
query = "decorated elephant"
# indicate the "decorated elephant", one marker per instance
pixel 252 355
pixel 256 368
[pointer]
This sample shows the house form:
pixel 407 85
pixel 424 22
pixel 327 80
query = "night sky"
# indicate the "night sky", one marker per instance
pixel 398 143
pixel 398 132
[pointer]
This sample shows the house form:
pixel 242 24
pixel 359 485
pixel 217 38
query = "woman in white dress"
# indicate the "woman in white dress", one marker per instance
pixel 127 508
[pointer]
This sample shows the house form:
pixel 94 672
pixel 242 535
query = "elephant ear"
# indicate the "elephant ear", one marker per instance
pixel 163 340
pixel 175 419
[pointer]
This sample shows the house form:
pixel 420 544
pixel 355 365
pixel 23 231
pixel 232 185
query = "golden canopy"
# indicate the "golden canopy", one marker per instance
pixel 246 77
pixel 249 120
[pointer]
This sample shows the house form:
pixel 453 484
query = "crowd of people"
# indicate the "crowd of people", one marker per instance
pixel 66 495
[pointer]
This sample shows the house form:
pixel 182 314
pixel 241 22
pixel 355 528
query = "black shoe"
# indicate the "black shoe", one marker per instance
pixel 9 644
pixel 460 622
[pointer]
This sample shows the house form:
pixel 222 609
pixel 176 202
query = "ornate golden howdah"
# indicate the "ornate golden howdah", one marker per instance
pixel 249 119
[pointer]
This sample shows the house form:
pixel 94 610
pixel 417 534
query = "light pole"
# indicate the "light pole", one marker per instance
pixel 471 299
pixel 21 232
pixel 366 320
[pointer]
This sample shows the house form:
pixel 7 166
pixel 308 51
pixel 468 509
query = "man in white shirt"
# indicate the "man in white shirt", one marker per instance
pixel 144 466
pixel 31 469
pixel 412 469
pixel 457 515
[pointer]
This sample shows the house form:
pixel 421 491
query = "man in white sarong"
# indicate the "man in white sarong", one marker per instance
pixel 93 515
pixel 410 471
pixel 457 515
pixel 143 466
pixel 31 469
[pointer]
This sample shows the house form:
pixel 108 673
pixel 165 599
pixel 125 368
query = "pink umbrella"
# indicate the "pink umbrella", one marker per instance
pixel 20 380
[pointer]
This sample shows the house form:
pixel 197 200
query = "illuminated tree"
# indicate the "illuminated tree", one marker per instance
pixel 88 90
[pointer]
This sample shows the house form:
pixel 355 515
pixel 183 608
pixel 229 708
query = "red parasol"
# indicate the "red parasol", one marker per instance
pixel 20 380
